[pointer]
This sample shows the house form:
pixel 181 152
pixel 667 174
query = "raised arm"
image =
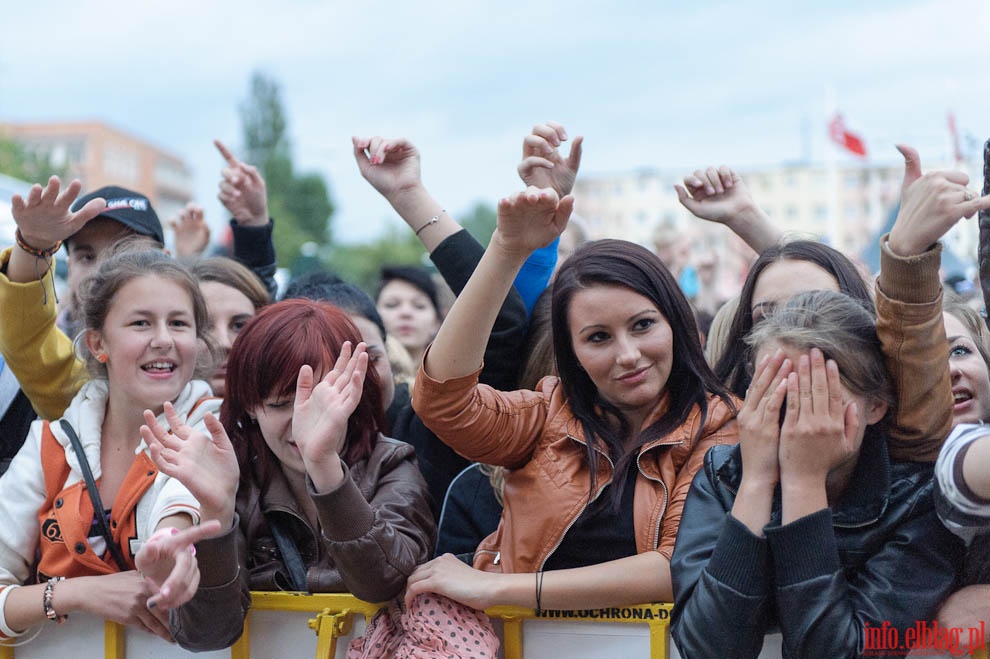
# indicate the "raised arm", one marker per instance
pixel 543 165
pixel 192 233
pixel 526 221
pixel 721 196
pixel 44 220
pixel 244 194
pixel 393 168
pixel 39 355
pixel 909 306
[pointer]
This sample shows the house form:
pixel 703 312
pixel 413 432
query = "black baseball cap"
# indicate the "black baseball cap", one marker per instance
pixel 132 209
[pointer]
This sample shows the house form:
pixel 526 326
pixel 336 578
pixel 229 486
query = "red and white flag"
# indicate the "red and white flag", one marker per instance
pixel 841 135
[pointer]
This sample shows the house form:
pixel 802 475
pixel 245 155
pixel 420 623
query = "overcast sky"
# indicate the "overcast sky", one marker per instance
pixel 649 84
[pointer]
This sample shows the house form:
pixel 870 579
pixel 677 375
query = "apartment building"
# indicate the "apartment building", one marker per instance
pixel 100 155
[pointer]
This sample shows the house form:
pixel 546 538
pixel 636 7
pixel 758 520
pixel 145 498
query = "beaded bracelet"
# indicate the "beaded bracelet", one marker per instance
pixel 34 251
pixel 49 609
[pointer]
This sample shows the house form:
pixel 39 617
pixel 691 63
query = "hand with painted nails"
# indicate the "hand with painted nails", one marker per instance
pixel 167 561
pixel 46 216
pixel 242 190
pixel 931 204
pixel 192 233
pixel 205 464
pixel 390 165
pixel 721 196
pixel 543 165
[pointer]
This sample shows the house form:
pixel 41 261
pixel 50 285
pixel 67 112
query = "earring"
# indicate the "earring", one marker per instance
pixel 101 357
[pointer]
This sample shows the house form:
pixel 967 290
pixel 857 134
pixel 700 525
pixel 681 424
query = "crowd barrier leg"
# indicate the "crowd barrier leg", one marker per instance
pixel 113 639
pixel 328 627
pixel 512 637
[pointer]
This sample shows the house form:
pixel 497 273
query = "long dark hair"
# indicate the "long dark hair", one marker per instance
pixel 621 263
pixel 265 360
pixel 732 367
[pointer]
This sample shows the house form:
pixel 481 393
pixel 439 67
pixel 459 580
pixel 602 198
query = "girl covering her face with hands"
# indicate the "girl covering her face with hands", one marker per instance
pixel 807 524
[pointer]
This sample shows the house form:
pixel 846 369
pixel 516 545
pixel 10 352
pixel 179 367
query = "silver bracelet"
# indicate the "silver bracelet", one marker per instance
pixel 432 220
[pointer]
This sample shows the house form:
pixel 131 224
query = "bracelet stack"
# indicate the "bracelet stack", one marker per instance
pixel 34 251
pixel 49 609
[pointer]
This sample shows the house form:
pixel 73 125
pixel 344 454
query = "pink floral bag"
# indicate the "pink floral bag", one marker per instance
pixel 433 627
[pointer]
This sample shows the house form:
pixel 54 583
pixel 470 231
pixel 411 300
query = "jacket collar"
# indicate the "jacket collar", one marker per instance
pixel 576 431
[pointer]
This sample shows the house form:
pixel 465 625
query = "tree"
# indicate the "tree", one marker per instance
pixel 480 222
pixel 300 203
pixel 361 264
pixel 20 163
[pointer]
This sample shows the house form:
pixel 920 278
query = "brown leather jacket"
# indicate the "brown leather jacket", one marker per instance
pixel 912 332
pixel 536 436
pixel 375 528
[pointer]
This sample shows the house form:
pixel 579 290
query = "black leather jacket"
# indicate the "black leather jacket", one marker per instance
pixel 880 556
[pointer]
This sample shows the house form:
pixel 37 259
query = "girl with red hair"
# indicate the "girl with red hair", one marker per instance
pixel 326 503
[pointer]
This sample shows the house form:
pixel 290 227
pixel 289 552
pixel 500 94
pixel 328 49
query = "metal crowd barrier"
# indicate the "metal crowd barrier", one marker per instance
pixel 286 624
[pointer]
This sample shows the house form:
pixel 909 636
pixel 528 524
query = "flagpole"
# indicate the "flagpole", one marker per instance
pixel 831 174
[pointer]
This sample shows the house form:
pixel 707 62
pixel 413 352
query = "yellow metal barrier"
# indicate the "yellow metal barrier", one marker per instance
pixel 334 616
pixel 657 616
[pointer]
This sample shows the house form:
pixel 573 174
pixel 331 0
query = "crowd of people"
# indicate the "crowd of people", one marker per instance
pixel 581 428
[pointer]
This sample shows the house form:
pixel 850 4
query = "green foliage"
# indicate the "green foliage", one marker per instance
pixel 19 163
pixel 361 264
pixel 480 222
pixel 300 203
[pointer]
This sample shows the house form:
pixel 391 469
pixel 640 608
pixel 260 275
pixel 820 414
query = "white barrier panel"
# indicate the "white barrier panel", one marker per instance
pixel 83 636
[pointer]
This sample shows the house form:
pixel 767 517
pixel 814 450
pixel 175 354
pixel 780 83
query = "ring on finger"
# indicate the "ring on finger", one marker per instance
pixel 967 195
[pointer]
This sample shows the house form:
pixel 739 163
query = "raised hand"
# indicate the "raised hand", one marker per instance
pixel 391 165
pixel 45 217
pixel 242 190
pixel 167 560
pixel 717 195
pixel 543 166
pixel 206 465
pixel 531 219
pixel 721 196
pixel 192 233
pixel 321 412
pixel 930 205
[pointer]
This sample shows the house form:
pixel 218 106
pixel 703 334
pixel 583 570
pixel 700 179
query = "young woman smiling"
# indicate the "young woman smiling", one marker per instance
pixel 601 458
